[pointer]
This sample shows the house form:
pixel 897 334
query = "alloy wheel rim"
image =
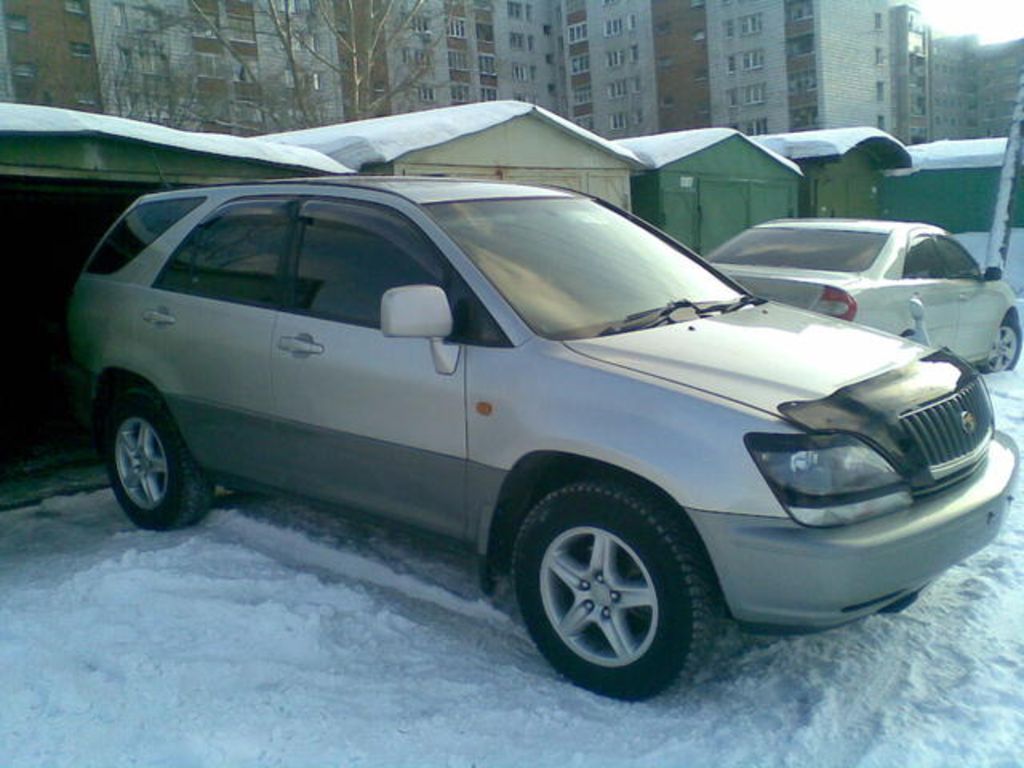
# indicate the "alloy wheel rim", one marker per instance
pixel 599 596
pixel 141 463
pixel 1004 349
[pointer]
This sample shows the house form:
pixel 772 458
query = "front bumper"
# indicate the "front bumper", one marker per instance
pixel 777 575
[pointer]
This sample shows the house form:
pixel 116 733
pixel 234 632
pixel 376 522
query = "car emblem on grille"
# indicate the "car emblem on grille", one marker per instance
pixel 968 421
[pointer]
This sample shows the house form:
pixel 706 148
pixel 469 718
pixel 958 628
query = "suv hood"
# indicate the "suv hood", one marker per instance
pixel 761 356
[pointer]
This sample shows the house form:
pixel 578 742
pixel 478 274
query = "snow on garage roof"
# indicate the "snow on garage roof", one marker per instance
pixel 966 153
pixel 836 142
pixel 660 149
pixel 384 139
pixel 27 119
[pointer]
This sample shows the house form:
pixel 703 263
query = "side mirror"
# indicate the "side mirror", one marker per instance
pixel 415 311
pixel 421 312
pixel 992 274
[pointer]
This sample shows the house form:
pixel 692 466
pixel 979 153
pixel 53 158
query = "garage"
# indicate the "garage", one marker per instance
pixel 65 176
pixel 842 168
pixel 706 185
pixel 504 140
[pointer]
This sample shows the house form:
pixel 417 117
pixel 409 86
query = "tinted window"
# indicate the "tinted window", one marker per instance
pixel 235 256
pixel 956 262
pixel 350 254
pixel 136 230
pixel 923 260
pixel 827 249
pixel 570 267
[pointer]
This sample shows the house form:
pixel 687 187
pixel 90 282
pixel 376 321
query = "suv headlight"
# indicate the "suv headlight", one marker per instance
pixel 830 479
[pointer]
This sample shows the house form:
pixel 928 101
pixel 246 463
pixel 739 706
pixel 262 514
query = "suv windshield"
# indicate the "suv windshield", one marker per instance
pixel 834 250
pixel 572 268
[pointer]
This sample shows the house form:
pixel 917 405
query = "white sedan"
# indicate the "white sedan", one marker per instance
pixel 870 271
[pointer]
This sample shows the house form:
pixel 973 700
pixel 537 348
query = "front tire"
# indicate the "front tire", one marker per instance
pixel 155 478
pixel 1006 347
pixel 614 588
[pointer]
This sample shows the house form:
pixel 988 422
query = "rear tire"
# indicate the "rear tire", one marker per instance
pixel 156 480
pixel 614 588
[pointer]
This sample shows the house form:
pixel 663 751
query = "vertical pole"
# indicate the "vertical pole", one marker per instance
pixel 1002 220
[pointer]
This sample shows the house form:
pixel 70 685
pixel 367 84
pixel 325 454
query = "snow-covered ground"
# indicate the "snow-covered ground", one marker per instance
pixel 276 635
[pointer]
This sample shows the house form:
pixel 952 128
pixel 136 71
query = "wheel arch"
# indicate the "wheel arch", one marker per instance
pixel 109 384
pixel 539 473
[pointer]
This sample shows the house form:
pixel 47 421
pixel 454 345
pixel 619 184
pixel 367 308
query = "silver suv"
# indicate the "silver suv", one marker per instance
pixel 640 444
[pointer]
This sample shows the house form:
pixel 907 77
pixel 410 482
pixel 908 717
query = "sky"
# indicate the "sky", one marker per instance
pixel 992 20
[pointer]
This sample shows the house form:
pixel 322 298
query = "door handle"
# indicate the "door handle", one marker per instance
pixel 302 345
pixel 160 316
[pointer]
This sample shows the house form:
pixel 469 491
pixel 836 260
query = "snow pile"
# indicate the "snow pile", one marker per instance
pixel 833 142
pixel 25 119
pixel 384 139
pixel 965 153
pixel 244 642
pixel 977 244
pixel 661 149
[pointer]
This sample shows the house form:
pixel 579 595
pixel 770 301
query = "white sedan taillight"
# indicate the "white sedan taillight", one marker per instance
pixel 837 303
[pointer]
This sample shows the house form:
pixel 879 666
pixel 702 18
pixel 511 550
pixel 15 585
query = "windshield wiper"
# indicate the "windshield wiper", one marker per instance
pixel 650 318
pixel 731 306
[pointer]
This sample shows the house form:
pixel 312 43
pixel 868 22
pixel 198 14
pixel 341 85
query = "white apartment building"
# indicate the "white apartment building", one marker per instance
pixel 606 48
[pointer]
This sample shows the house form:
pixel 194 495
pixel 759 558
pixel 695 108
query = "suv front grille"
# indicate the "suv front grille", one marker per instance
pixel 952 433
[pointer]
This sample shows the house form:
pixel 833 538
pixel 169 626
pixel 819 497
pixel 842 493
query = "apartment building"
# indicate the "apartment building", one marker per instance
pixel 477 50
pixel 999 69
pixel 606 49
pixel 618 67
pixel 61 72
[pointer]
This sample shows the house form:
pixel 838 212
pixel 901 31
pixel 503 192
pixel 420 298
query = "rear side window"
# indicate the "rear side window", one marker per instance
pixel 826 249
pixel 236 256
pixel 136 230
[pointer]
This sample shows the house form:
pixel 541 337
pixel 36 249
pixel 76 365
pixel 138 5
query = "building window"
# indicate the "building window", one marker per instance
pixel 634 53
pixel 638 116
pixel 753 60
pixel 616 59
pixel 732 96
pixel 803 82
pixel 617 121
pixel 800 45
pixel 488 93
pixel 484 33
pixel 631 22
pixel 515 10
pixel 75 6
pixel 698 35
pixel 878 21
pixel 881 122
pixel 730 64
pixel 426 93
pixel 751 24
pixel 729 27
pixel 617 89
pixel 613 27
pixel 757 127
pixel 520 73
pixel 318 82
pixel 583 95
pixel 579 64
pixel 517 40
pixel 420 24
pixel 207 65
pixel 577 32
pixel 458 60
pixel 880 91
pixel 460 93
pixel 25 71
pixel 754 94
pixel 487 63
pixel 585 121
pixel 457 27
pixel 17 23
pixel 879 56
